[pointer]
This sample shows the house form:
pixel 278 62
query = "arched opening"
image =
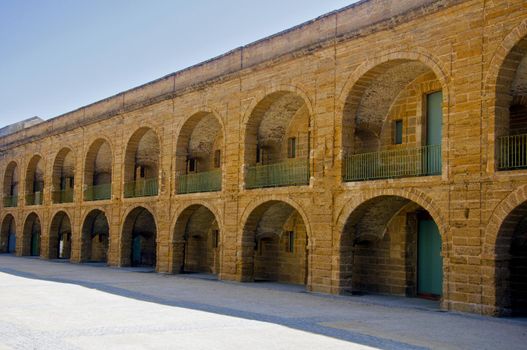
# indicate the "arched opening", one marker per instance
pixel 277 142
pixel 391 245
pixel 392 123
pixel 98 171
pixel 138 240
pixel 197 241
pixel 8 235
pixel 274 246
pixel 11 179
pixel 511 263
pixel 95 237
pixel 141 164
pixel 35 181
pixel 60 237
pixel 32 236
pixel 63 177
pixel 511 110
pixel 199 155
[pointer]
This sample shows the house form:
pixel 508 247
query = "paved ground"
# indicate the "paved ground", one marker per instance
pixel 57 305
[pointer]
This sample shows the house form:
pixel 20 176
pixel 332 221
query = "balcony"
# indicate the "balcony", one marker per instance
pixel 34 198
pixel 98 193
pixel 404 162
pixel 207 181
pixel 10 201
pixel 512 152
pixel 141 188
pixel 63 196
pixel 293 172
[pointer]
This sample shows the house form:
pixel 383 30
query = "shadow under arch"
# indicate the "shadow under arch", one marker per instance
pixel 199 153
pixel 275 243
pixel 197 240
pixel 60 236
pixel 138 243
pixel 142 163
pixel 278 133
pixel 32 235
pixel 95 237
pixel 392 243
pixel 34 181
pixel 11 185
pixel 374 99
pixel 505 254
pixel 8 234
pixel 63 176
pixel 506 100
pixel 98 170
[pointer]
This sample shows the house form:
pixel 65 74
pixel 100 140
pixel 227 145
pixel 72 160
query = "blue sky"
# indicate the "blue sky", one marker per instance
pixel 58 55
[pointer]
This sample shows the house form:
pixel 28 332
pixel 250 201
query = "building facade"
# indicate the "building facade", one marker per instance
pixel 381 148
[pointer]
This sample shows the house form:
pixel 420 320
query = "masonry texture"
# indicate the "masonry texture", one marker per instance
pixel 380 148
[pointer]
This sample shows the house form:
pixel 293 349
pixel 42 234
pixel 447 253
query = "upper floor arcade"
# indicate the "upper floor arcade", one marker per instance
pixel 343 110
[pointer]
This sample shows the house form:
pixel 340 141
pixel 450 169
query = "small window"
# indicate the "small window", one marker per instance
pixel 291 147
pixel 192 165
pixel 215 238
pixel 217 158
pixel 142 172
pixel 398 132
pixel 290 241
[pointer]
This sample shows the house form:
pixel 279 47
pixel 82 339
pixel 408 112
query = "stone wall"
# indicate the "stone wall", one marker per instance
pixel 336 83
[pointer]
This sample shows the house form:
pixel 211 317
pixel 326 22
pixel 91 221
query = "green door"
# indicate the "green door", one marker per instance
pixel 35 244
pixel 136 251
pixel 430 262
pixel 434 125
pixel 11 243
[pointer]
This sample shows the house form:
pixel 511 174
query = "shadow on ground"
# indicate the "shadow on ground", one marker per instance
pixel 314 325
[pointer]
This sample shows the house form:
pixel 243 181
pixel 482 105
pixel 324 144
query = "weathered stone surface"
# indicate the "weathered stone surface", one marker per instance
pixel 336 85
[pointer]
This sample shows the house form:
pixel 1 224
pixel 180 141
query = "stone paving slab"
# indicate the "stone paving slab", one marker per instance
pixel 50 305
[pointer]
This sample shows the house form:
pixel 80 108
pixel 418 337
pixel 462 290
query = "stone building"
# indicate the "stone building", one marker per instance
pixel 380 148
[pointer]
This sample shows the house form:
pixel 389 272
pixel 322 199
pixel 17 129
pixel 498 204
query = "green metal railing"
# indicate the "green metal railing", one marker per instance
pixel 97 193
pixel 404 162
pixel 292 172
pixel 35 198
pixel 10 201
pixel 512 152
pixel 62 196
pixel 207 181
pixel 141 188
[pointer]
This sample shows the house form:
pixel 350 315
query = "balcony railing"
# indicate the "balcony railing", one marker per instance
pixel 404 162
pixel 512 152
pixel 141 188
pixel 207 181
pixel 63 196
pixel 292 172
pixel 97 193
pixel 10 201
pixel 34 198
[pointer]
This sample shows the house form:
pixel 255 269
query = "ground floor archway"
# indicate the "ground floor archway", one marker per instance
pixel 391 245
pixel 95 237
pixel 197 241
pixel 60 236
pixel 274 244
pixel 32 235
pixel 511 263
pixel 8 235
pixel 138 239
